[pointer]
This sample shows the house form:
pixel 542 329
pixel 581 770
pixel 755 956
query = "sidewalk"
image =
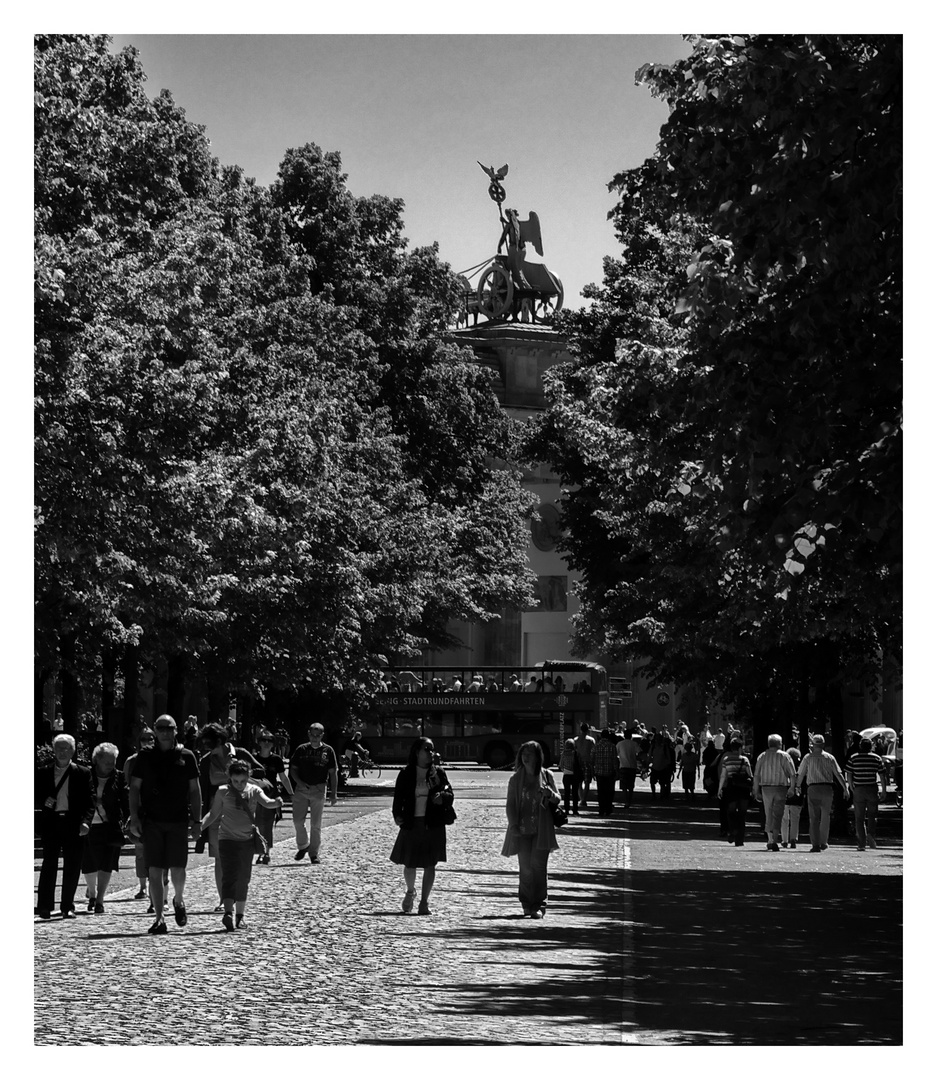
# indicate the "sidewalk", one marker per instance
pixel 655 934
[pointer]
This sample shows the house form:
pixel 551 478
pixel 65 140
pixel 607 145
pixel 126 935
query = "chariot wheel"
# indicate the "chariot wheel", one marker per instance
pixel 495 291
pixel 549 305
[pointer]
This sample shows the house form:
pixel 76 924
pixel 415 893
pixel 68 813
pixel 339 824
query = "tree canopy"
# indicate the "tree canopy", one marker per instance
pixel 731 420
pixel 255 447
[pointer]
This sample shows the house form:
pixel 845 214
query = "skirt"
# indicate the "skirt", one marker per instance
pixel 101 851
pixel 420 846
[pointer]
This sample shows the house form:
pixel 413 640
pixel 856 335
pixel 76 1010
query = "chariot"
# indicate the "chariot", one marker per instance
pixel 509 286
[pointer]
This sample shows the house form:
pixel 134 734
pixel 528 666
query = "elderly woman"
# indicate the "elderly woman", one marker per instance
pixel 422 800
pixel 233 807
pixel 531 799
pixel 105 838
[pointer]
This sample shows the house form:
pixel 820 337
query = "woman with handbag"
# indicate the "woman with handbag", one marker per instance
pixel 277 781
pixel 105 838
pixel 233 807
pixel 735 788
pixel 422 809
pixel 531 834
pixel 790 821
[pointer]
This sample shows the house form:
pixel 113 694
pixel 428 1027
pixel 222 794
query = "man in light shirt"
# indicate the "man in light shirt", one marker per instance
pixel 820 770
pixel 774 781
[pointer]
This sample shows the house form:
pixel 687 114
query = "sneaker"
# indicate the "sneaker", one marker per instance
pixel 536 914
pixel 68 913
pixel 423 909
pixel 313 858
pixel 301 854
pixel 860 847
pixel 407 905
pixel 227 921
pixel 159 927
pixel 793 844
pixel 773 847
pixel 823 847
pixel 179 912
pixel 43 913
pixel 814 849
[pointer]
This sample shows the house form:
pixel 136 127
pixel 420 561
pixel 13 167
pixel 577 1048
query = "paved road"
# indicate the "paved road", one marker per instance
pixel 658 932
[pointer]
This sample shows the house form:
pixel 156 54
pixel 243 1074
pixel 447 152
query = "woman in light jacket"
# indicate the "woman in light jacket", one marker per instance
pixel 532 796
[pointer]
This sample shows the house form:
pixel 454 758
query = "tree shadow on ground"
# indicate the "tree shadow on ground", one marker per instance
pixel 733 957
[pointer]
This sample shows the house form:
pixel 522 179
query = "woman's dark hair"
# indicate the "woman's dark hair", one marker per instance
pixel 735 744
pixel 538 752
pixel 214 734
pixel 242 768
pixel 418 744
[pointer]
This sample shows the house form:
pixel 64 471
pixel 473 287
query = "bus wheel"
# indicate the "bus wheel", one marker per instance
pixel 498 755
pixel 547 756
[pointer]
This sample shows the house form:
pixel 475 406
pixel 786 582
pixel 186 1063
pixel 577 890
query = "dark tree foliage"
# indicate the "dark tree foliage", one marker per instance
pixel 256 455
pixel 733 415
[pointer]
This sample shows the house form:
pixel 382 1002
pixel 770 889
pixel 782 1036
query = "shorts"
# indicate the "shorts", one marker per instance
pixel 165 843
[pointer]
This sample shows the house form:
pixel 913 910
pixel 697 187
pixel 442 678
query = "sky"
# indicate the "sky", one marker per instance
pixel 412 115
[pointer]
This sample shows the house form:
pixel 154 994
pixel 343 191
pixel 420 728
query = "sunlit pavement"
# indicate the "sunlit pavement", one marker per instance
pixel 657 932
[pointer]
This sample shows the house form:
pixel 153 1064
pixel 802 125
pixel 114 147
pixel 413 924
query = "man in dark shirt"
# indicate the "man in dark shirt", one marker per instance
pixel 65 797
pixel 165 806
pixel 312 765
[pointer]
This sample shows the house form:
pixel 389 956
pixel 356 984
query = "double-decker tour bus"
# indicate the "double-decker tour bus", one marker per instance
pixel 484 714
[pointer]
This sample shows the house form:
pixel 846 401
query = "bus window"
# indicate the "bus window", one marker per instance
pixel 439 726
pixel 483 723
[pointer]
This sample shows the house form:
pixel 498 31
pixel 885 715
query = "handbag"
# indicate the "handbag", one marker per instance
pixel 448 814
pixel 260 843
pixel 560 817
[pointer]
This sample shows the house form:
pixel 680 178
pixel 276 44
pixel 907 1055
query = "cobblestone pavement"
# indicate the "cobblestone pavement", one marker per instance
pixel 640 911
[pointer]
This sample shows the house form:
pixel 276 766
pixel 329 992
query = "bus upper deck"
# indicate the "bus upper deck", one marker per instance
pixel 484 714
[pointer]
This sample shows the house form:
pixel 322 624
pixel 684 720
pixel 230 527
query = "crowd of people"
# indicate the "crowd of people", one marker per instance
pixel 477 683
pixel 227 800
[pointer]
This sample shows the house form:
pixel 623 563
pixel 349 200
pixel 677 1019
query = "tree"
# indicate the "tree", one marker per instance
pixel 752 477
pixel 244 457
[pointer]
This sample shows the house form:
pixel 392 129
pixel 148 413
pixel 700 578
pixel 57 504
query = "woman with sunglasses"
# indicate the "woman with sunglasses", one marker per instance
pixel 277 782
pixel 422 804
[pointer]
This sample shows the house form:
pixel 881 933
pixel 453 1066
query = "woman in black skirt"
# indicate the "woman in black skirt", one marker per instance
pixel 422 805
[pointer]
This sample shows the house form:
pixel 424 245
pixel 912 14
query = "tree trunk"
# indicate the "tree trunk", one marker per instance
pixel 177 666
pixel 108 676
pixel 71 688
pixel 42 727
pixel 131 672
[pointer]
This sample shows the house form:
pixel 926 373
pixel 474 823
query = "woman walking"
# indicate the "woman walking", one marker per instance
pixel 275 775
pixel 735 788
pixel 532 797
pixel 233 808
pixel 423 800
pixel 101 854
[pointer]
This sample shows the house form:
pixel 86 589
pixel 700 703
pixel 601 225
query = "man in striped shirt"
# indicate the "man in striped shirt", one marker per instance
pixel 774 780
pixel 821 772
pixel 863 771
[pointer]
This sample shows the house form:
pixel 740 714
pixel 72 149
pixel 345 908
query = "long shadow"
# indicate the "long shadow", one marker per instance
pixel 716 958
